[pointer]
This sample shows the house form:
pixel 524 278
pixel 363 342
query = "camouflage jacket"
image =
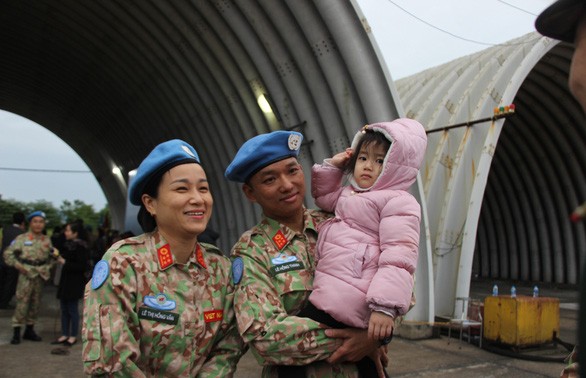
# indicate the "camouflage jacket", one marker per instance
pixel 146 315
pixel 33 253
pixel 273 267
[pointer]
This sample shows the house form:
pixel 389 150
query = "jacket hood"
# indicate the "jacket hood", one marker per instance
pixel 404 157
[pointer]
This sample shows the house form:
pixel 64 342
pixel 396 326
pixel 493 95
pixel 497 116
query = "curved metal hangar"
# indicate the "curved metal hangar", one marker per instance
pixel 115 78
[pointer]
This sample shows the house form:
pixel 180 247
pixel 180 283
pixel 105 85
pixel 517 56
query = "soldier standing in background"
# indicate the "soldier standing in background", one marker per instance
pixel 31 255
pixel 8 274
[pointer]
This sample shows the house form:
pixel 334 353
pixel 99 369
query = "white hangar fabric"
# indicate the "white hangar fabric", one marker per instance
pixel 499 193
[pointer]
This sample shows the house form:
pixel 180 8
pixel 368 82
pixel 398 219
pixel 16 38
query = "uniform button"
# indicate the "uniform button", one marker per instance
pixel 263 333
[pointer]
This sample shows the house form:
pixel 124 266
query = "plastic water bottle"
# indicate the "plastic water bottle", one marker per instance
pixel 495 290
pixel 535 291
pixel 513 291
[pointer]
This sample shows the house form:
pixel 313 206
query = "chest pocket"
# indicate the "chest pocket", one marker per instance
pixel 294 282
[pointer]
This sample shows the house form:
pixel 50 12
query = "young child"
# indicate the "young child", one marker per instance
pixel 368 251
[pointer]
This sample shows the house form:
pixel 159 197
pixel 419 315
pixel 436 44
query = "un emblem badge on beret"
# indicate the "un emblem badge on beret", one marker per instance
pixel 294 142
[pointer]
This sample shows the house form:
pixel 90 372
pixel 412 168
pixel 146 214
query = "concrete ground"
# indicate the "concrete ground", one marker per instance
pixel 435 357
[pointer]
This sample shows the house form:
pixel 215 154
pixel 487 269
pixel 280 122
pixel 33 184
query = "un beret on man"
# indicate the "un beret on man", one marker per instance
pixel 560 20
pixel 262 150
pixel 162 158
pixel 36 213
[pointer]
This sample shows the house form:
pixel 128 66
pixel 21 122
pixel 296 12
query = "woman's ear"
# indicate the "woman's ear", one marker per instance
pixel 148 203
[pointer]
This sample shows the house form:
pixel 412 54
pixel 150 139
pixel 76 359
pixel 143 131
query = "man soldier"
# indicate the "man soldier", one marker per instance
pixel 31 254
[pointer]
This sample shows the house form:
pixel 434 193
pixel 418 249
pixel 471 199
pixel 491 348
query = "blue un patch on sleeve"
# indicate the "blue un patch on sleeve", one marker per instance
pixel 237 269
pixel 100 275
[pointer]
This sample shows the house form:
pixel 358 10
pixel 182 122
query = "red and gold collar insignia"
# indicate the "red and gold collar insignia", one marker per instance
pixel 199 256
pixel 213 316
pixel 165 257
pixel 280 240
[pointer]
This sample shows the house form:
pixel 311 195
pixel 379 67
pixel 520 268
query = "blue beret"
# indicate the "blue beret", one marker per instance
pixel 37 213
pixel 262 150
pixel 162 158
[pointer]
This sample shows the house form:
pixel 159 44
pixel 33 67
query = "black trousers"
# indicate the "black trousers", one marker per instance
pixel 366 366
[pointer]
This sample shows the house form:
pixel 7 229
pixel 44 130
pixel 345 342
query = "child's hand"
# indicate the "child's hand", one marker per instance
pixel 340 160
pixel 380 325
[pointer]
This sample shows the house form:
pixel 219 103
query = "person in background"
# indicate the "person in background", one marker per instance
pixel 566 20
pixel 75 261
pixel 57 237
pixel 160 304
pixel 8 274
pixel 273 265
pixel 31 254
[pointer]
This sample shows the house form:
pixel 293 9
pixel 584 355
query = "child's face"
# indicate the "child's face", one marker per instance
pixel 369 164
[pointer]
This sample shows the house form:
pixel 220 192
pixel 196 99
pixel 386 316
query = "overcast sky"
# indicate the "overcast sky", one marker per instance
pixel 411 34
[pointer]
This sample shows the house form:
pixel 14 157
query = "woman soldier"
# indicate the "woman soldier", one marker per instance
pixel 160 304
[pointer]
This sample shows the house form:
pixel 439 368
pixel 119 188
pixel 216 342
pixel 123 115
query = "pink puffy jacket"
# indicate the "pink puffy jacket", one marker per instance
pixel 368 251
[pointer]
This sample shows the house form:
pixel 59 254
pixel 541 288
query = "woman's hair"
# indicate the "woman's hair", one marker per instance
pixel 145 219
pixel 369 137
pixel 77 226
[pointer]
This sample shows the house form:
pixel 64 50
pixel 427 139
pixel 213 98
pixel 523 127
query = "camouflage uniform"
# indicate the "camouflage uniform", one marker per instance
pixel 277 278
pixel 34 254
pixel 126 335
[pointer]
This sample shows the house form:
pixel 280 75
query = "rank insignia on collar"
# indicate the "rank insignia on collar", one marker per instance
pixel 159 302
pixel 280 240
pixel 199 256
pixel 165 257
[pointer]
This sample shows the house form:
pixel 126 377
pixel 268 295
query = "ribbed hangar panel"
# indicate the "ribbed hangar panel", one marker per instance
pixel 499 194
pixel 115 78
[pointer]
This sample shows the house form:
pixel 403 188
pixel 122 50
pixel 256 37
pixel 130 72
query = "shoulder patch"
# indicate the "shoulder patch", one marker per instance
pixel 237 270
pixel 100 274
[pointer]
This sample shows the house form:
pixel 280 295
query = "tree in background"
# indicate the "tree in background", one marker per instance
pixel 80 210
pixel 67 212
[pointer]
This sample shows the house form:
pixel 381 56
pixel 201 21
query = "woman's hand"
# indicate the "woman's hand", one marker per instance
pixel 18 266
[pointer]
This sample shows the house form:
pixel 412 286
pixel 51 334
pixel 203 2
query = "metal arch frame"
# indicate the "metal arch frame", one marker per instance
pixel 458 161
pixel 114 79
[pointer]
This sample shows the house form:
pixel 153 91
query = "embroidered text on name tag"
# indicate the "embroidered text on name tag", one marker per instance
pixel 282 268
pixel 158 315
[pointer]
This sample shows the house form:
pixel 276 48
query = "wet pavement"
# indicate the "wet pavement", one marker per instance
pixel 434 357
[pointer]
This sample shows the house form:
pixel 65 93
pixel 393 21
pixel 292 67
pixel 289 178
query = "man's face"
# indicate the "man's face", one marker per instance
pixel 279 189
pixel 577 79
pixel 37 225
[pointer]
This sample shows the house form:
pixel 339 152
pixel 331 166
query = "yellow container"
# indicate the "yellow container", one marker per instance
pixel 521 321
